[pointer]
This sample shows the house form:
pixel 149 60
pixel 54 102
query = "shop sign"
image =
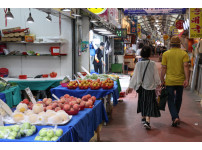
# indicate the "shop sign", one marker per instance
pixel 179 24
pixel 165 37
pixel 139 30
pixel 134 25
pixel 113 16
pixel 122 33
pixel 97 11
pixel 195 23
pixel 154 11
pixel 105 15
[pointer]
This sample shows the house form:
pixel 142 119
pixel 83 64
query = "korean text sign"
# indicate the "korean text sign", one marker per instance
pixel 195 23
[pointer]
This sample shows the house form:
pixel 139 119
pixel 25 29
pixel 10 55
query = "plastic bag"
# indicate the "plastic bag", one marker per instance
pixel 49 134
pixel 17 131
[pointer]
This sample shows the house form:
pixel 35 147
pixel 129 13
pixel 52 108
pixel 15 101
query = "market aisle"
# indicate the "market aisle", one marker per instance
pixel 126 126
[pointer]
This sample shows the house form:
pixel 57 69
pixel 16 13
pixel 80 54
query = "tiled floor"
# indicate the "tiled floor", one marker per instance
pixel 125 125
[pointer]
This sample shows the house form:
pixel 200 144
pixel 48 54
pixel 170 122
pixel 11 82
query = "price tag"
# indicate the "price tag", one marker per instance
pixel 29 93
pixel 79 73
pixel 1 121
pixel 55 97
pixel 6 108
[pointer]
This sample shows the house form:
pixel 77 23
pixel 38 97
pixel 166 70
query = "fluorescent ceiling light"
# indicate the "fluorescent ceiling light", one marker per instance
pixel 76 15
pixel 66 9
pixel 100 29
pixel 93 20
pixel 9 15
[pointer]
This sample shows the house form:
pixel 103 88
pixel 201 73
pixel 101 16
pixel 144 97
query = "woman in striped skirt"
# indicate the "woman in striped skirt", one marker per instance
pixel 145 80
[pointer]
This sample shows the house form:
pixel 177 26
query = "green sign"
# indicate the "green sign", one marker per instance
pixel 122 33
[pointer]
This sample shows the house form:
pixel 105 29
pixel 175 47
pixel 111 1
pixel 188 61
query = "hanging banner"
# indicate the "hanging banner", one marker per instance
pixel 195 23
pixel 154 11
pixel 179 24
pixel 139 30
pixel 104 15
pixel 134 25
pixel 113 16
pixel 97 11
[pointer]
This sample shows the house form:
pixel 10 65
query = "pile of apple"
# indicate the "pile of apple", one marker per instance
pixel 107 84
pixel 95 85
pixel 88 100
pixel 72 85
pixel 84 84
pixel 29 104
pixel 49 134
pixel 17 131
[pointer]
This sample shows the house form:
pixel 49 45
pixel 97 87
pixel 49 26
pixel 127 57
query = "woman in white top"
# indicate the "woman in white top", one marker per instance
pixel 146 86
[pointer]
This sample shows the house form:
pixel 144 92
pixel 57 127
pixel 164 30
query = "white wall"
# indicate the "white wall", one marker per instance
pixel 31 65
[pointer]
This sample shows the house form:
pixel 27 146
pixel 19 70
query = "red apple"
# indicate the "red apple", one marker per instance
pixel 45 99
pixel 76 107
pixel 60 105
pixel 26 101
pixel 62 100
pixel 87 104
pixel 57 109
pixel 72 109
pixel 82 103
pixel 49 108
pixel 54 105
pixel 66 107
pixel 90 102
pixel 78 100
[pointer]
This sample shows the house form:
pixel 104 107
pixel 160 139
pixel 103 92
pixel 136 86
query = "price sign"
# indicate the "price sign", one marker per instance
pixel 55 97
pixel 5 107
pixel 29 93
pixel 1 121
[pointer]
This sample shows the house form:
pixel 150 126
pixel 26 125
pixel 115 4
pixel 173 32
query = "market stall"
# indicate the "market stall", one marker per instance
pixel 80 128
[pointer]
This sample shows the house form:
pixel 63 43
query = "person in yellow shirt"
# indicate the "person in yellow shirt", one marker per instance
pixel 176 69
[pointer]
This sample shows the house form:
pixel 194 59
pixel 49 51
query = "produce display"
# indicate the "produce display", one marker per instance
pixel 107 84
pixel 49 134
pixel 102 77
pixel 84 84
pixel 72 85
pixel 95 85
pixel 17 131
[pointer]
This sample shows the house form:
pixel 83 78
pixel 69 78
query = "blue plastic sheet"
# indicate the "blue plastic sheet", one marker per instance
pixel 3 97
pixel 61 91
pixel 80 129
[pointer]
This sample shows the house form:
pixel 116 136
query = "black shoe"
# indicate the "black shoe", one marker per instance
pixel 143 120
pixel 176 122
pixel 147 125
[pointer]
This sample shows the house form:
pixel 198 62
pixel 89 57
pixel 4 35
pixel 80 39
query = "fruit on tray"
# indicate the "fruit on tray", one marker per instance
pixel 22 107
pixel 95 85
pixel 107 84
pixel 84 84
pixel 53 74
pixel 49 134
pixel 72 85
pixel 26 101
pixel 17 131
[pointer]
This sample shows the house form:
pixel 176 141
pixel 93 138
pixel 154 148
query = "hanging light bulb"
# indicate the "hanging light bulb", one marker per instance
pixel 30 19
pixel 9 15
pixel 49 17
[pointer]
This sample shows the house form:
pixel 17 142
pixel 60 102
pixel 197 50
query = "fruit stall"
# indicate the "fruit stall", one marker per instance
pixel 68 119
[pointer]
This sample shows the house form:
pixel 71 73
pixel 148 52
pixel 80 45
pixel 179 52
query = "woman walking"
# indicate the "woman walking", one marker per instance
pixel 145 80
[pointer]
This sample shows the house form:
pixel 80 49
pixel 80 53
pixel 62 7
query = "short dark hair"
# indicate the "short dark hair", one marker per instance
pixel 141 45
pixel 145 52
pixel 102 44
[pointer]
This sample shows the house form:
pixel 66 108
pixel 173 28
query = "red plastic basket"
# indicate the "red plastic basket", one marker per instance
pixel 22 76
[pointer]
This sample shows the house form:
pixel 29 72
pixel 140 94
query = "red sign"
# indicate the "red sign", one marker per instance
pixel 179 24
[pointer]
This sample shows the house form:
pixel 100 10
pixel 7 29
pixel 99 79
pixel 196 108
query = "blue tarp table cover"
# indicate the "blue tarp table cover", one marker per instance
pixel 3 97
pixel 61 91
pixel 80 129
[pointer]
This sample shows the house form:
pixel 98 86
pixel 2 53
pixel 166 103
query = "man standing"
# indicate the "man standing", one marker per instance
pixel 175 67
pixel 98 59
